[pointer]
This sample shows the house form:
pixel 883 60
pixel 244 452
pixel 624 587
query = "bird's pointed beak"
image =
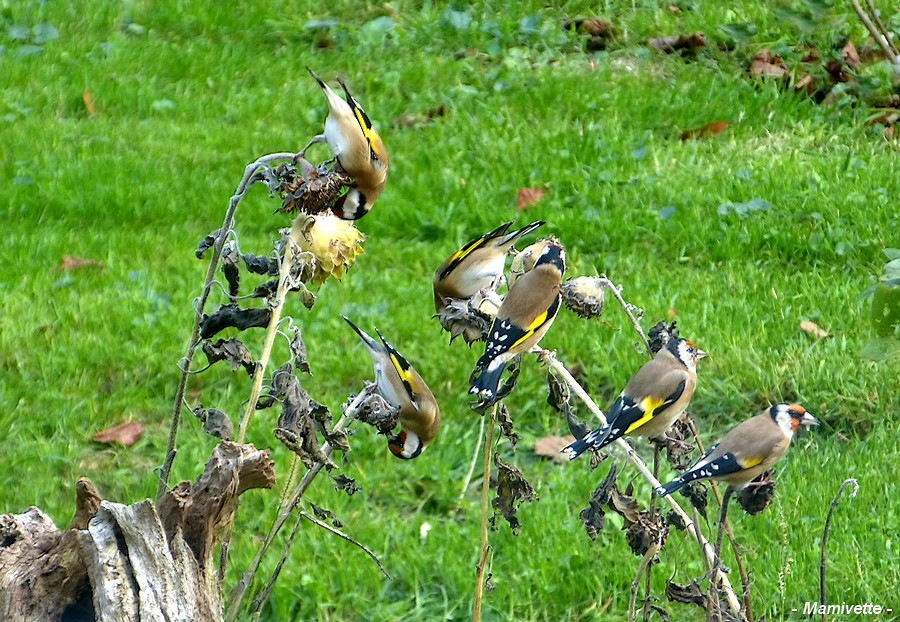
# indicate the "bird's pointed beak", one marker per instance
pixel 808 420
pixel 701 354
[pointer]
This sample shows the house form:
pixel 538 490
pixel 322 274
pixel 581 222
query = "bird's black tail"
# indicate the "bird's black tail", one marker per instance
pixel 486 382
pixel 590 440
pixel 677 484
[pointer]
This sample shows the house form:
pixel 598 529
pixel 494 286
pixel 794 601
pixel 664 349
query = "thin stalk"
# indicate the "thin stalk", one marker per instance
pixel 824 563
pixel 240 589
pixel 627 308
pixel 652 515
pixel 185 363
pixel 713 611
pixel 284 286
pixel 485 507
pixel 635 459
pixel 468 479
pixel 636 584
pixel 735 547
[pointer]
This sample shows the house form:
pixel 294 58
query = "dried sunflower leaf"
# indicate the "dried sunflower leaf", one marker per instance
pixel 230 268
pixel 232 350
pixel 690 594
pixel 347 484
pixel 594 516
pixel 232 316
pixel 298 349
pixel 506 425
pixel 207 243
pixel 325 515
pixel 215 423
pixel 260 264
pixel 512 490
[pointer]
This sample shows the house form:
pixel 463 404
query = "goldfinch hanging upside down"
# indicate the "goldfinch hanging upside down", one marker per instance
pixel 526 314
pixel 748 450
pixel 652 400
pixel 357 147
pixel 403 388
pixel 477 265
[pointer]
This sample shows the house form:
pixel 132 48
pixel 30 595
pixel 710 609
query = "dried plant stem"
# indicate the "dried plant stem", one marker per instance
pixel 185 363
pixel 636 584
pixel 635 459
pixel 735 547
pixel 241 588
pixel 472 464
pixel 605 282
pixel 824 562
pixel 649 584
pixel 880 36
pixel 485 508
pixel 284 286
pixel 713 610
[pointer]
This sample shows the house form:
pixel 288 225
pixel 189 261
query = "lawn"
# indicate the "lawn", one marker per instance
pixel 126 128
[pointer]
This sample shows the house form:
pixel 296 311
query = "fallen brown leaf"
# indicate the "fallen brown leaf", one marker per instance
pixel 415 119
pixel 75 263
pixel 125 434
pixel 677 43
pixel 851 56
pixel 767 64
pixel 710 129
pixel 806 83
pixel 674 10
pixel 550 446
pixel 88 103
pixel 811 328
pixel 528 197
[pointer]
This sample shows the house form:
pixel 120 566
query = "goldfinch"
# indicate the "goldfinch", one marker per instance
pixel 652 400
pixel 357 147
pixel 748 450
pixel 522 320
pixel 403 388
pixel 477 265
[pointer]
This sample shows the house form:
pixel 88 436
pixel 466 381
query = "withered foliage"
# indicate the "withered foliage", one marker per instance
pixel 215 422
pixel 260 264
pixel 298 349
pixel 690 594
pixel 347 484
pixel 506 425
pixel 325 515
pixel 232 350
pixel 207 243
pixel 678 450
pixel 230 268
pixel 594 515
pixel 512 490
pixel 758 495
pixel 697 493
pixel 232 316
pixel 302 420
pixel 643 528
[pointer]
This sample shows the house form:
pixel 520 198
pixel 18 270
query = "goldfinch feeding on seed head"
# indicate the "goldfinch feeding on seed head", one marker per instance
pixel 357 147
pixel 403 388
pixel 748 450
pixel 522 320
pixel 477 265
pixel 652 400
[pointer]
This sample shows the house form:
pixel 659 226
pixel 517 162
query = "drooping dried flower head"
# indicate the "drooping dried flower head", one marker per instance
pixel 584 295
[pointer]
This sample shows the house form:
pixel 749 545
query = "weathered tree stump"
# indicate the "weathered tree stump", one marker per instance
pixel 137 562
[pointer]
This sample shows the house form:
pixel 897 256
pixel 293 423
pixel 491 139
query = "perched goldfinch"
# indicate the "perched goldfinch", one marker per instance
pixel 357 147
pixel 652 400
pixel 477 265
pixel 522 320
pixel 748 450
pixel 403 388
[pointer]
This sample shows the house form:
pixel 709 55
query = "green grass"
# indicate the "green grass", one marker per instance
pixel 188 93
